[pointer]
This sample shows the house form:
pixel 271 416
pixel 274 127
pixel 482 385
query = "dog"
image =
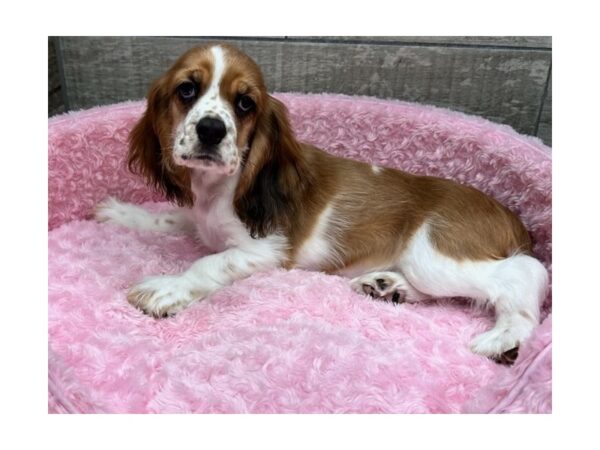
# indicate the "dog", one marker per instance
pixel 216 143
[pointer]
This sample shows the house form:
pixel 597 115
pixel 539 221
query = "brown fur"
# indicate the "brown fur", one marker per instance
pixel 150 157
pixel 275 176
pixel 151 140
pixel 285 185
pixel 385 209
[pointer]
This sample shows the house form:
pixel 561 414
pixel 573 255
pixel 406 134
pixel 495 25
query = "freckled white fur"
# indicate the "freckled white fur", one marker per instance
pixel 136 217
pixel 211 104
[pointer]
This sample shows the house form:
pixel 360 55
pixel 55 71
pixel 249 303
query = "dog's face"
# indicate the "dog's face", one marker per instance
pixel 214 95
pixel 201 115
pixel 210 112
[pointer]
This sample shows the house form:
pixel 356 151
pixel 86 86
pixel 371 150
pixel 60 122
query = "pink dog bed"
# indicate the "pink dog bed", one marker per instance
pixel 281 341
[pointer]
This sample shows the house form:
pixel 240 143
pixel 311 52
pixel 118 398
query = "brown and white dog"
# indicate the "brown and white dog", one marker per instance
pixel 215 142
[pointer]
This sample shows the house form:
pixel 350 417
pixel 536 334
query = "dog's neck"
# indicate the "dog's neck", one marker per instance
pixel 217 224
pixel 209 186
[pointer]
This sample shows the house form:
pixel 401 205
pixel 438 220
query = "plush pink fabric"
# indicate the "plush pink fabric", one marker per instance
pixel 525 388
pixel 281 341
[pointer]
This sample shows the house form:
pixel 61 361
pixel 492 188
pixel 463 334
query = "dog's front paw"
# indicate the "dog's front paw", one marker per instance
pixel 109 210
pixel 128 215
pixel 162 296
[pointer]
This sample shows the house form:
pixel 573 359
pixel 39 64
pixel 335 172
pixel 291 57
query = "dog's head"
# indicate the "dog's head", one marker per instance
pixel 210 112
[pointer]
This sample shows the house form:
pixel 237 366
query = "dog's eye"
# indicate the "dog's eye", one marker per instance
pixel 187 91
pixel 245 104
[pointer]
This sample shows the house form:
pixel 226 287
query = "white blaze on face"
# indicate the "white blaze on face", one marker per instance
pixel 211 104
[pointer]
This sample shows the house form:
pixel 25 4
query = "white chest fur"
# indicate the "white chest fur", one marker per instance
pixel 217 224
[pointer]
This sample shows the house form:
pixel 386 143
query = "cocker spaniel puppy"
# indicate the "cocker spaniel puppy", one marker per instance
pixel 215 142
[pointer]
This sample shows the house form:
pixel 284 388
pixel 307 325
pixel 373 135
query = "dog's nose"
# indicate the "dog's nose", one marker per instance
pixel 210 130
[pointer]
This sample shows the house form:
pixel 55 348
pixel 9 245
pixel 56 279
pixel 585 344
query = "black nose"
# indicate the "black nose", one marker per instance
pixel 210 131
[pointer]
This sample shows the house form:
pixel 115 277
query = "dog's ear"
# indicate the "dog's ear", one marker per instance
pixel 274 174
pixel 151 158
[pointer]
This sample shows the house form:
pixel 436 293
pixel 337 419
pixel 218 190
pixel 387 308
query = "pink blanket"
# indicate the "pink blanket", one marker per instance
pixel 280 341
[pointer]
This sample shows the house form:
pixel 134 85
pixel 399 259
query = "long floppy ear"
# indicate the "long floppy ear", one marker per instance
pixel 147 157
pixel 275 174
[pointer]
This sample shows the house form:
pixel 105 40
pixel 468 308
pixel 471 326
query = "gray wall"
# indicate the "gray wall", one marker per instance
pixel 56 103
pixel 504 79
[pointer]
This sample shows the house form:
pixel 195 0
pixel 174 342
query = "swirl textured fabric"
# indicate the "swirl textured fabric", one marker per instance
pixel 281 341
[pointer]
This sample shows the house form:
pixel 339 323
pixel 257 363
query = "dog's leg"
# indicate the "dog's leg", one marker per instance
pixel 166 295
pixel 388 285
pixel 137 218
pixel 514 286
